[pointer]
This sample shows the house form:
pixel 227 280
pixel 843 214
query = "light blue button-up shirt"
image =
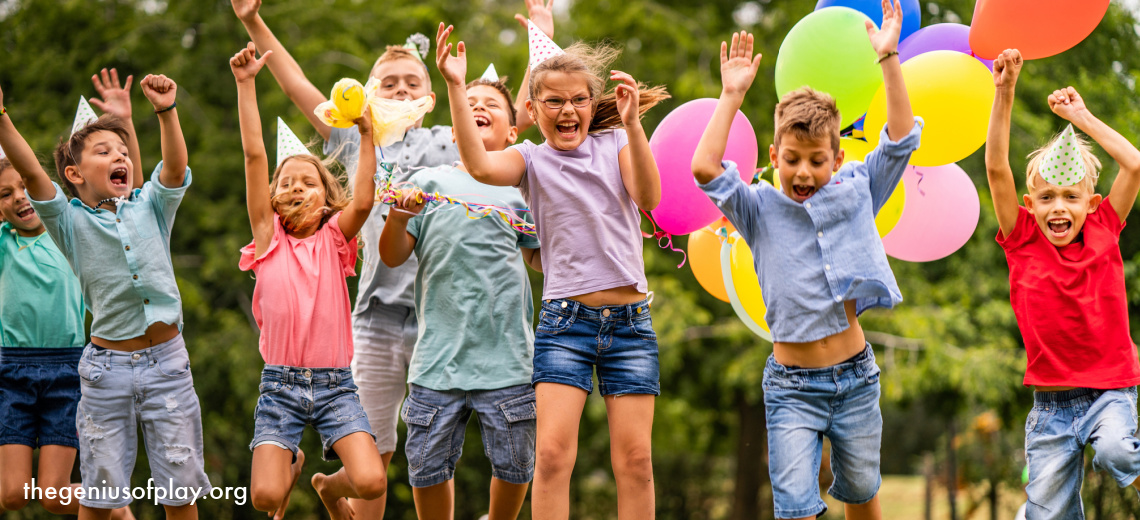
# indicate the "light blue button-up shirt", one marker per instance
pixel 122 259
pixel 814 256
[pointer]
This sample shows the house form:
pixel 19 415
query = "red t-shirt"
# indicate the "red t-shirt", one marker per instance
pixel 1070 303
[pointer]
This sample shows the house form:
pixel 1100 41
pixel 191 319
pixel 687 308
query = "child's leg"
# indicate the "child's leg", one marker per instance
pixel 55 467
pixel 1055 455
pixel 16 459
pixel 437 421
pixel 507 426
pixel 856 433
pixel 274 475
pixel 107 424
pixel 1110 427
pixel 556 448
pixel 631 429
pixel 361 477
pixel 435 502
pixel 506 499
pixel 796 415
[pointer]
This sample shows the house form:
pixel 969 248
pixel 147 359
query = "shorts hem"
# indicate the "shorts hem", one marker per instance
pixel 513 477
pixel 99 505
pixel 629 389
pixel 261 439
pixel 59 441
pixel 1128 479
pixel 845 500
pixel 329 454
pixel 800 513
pixel 21 440
pixel 562 380
pixel 431 480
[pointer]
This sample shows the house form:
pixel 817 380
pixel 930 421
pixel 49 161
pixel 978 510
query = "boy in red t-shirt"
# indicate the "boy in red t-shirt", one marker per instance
pixel 1066 282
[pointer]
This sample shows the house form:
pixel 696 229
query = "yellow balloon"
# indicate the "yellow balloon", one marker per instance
pixel 854 149
pixel 747 283
pixel 348 94
pixel 704 260
pixel 891 211
pixel 953 93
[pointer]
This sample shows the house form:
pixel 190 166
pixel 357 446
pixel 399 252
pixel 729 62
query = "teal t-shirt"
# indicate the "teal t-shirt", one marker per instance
pixel 41 303
pixel 472 294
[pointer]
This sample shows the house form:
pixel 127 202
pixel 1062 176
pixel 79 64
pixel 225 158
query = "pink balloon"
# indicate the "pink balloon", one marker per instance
pixel 940 215
pixel 684 208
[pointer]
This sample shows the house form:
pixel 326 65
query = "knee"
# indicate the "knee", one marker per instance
pixel 552 459
pixel 635 463
pixel 373 486
pixel 55 506
pixel 265 499
pixel 13 500
pixel 1121 453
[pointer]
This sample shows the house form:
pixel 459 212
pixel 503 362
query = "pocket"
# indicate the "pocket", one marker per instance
pixel 146 226
pixel 418 417
pixel 873 373
pixel 642 325
pixel 174 365
pixel 347 407
pixel 90 371
pixel 553 323
pixel 777 380
pixel 1032 420
pixel 521 413
pixel 269 387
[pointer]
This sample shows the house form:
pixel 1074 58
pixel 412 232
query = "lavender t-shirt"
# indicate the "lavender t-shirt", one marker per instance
pixel 588 225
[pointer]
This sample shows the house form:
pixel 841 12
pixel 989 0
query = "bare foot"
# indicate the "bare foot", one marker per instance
pixel 296 467
pixel 338 506
pixel 122 513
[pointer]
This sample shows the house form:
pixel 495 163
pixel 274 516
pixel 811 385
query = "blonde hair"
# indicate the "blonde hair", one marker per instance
pixel 808 114
pixel 1090 160
pixel 300 216
pixel 396 52
pixel 593 61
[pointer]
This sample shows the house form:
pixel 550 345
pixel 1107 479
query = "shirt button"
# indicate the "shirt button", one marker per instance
pixel 605 313
pixel 808 205
pixel 827 267
pixel 136 277
pixel 128 248
pixel 820 234
pixel 838 298
pixel 146 301
pixel 135 356
pixel 118 220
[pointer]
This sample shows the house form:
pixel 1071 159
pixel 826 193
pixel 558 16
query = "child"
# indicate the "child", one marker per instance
pixel 383 320
pixel 820 263
pixel 474 351
pixel 136 370
pixel 304 229
pixel 584 185
pixel 41 336
pixel 1067 290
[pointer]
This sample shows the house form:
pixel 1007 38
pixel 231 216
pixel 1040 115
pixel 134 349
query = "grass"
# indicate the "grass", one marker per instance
pixel 902 499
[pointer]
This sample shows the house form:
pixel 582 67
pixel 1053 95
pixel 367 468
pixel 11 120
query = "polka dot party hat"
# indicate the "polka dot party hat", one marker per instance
pixel 542 48
pixel 287 143
pixel 1062 165
pixel 83 115
pixel 490 74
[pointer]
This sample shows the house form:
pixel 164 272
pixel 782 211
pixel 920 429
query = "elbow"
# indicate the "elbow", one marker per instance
pixel 704 172
pixel 390 259
pixel 650 201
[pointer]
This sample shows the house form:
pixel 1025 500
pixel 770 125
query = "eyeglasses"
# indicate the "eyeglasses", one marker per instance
pixel 556 103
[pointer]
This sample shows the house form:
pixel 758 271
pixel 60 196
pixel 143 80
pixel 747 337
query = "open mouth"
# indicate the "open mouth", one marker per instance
pixel 568 130
pixel 119 176
pixel 26 213
pixel 1060 227
pixel 482 121
pixel 803 191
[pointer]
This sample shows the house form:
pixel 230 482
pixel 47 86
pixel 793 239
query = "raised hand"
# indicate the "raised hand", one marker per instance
pixel 364 123
pixel 246 9
pixel 245 64
pixel 542 14
pixel 159 90
pixel 886 39
pixel 410 203
pixel 627 98
pixel 737 66
pixel 1067 103
pixel 452 68
pixel 1006 68
pixel 113 99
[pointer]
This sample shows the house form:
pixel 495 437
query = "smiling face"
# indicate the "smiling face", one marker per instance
pixel 104 170
pixel 804 165
pixel 1061 211
pixel 492 116
pixel 564 128
pixel 14 206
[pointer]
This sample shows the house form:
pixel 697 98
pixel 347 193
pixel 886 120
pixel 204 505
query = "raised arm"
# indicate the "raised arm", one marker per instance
pixel 36 180
pixel 245 66
pixel 1003 189
pixel 737 70
pixel 542 14
pixel 501 168
pixel 284 68
pixel 396 244
pixel 638 166
pixel 900 117
pixel 161 91
pixel 363 188
pixel 116 100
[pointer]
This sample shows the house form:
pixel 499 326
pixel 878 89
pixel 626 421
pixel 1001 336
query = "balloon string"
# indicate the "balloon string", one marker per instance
pixel 664 240
pixel 919 183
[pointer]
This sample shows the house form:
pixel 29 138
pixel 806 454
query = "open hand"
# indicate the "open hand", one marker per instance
pixel 452 68
pixel 246 10
pixel 886 39
pixel 627 98
pixel 1067 103
pixel 737 66
pixel 1006 68
pixel 245 64
pixel 159 90
pixel 542 14
pixel 113 99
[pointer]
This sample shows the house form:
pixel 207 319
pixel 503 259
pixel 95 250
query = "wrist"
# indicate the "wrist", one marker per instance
pixel 3 110
pixel 161 110
pixel 887 56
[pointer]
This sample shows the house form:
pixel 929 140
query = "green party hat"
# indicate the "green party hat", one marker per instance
pixel 1062 164
pixel 83 115
pixel 419 45
pixel 490 74
pixel 287 143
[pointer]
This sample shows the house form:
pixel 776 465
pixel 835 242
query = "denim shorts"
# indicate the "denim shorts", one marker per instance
pixel 39 394
pixel 802 405
pixel 151 388
pixel 292 397
pixel 1058 428
pixel 572 339
pixel 437 420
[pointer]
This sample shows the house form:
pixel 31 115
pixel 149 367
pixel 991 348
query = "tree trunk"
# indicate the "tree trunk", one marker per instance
pixel 928 498
pixel 951 470
pixel 751 466
pixel 993 499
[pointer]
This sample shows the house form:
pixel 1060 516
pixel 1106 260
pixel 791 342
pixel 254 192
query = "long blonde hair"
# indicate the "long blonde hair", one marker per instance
pixel 299 216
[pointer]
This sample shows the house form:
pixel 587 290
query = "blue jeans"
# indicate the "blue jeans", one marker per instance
pixel 572 339
pixel 437 421
pixel 802 406
pixel 152 388
pixel 39 394
pixel 292 397
pixel 1057 430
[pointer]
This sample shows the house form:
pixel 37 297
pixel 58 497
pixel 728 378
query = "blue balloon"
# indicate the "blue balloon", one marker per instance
pixel 912 13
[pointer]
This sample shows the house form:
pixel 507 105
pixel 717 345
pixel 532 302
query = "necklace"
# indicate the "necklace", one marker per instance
pixel 21 247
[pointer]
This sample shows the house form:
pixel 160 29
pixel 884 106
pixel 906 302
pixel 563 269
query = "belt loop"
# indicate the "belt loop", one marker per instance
pixel 332 379
pixel 287 375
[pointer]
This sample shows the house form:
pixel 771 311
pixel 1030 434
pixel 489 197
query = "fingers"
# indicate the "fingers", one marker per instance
pixel 461 50
pixel 95 102
pixel 521 19
pixel 732 50
pixel 723 52
pixel 617 75
pixel 264 57
pixel 115 77
pixel 871 30
pixel 756 63
pixel 748 47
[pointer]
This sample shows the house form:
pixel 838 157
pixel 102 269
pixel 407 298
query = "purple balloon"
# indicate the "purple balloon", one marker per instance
pixel 939 37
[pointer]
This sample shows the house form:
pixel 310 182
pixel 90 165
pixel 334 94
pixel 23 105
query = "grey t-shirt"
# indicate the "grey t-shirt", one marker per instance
pixel 473 299
pixel 421 148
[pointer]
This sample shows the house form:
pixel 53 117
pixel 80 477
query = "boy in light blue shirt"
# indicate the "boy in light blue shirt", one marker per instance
pixel 821 263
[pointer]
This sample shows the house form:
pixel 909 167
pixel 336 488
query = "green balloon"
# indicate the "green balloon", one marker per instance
pixel 828 50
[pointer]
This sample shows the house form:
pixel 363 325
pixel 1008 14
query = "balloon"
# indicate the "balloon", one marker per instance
pixel 940 216
pixel 939 37
pixel 746 283
pixel 854 149
pixel 1037 28
pixel 828 50
pixel 953 93
pixel 704 260
pixel 684 208
pixel 737 305
pixel 912 13
pixel 889 214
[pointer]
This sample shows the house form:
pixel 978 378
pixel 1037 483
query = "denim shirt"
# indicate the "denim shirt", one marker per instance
pixel 814 256
pixel 122 259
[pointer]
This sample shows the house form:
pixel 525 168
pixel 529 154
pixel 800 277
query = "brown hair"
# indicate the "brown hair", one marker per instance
pixel 396 52
pixel 70 151
pixel 1092 163
pixel 501 86
pixel 5 164
pixel 808 114
pixel 594 62
pixel 298 216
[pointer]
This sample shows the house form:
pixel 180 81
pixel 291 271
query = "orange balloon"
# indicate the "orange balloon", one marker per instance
pixel 704 260
pixel 1037 28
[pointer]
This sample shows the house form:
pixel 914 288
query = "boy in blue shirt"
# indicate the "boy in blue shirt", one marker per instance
pixel 821 263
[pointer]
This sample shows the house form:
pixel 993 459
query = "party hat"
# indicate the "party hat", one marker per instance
pixel 287 143
pixel 419 45
pixel 1 153
pixel 1063 164
pixel 83 115
pixel 490 74
pixel 542 48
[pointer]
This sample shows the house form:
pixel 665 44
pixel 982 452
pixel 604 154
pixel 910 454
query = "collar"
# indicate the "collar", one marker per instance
pixel 130 198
